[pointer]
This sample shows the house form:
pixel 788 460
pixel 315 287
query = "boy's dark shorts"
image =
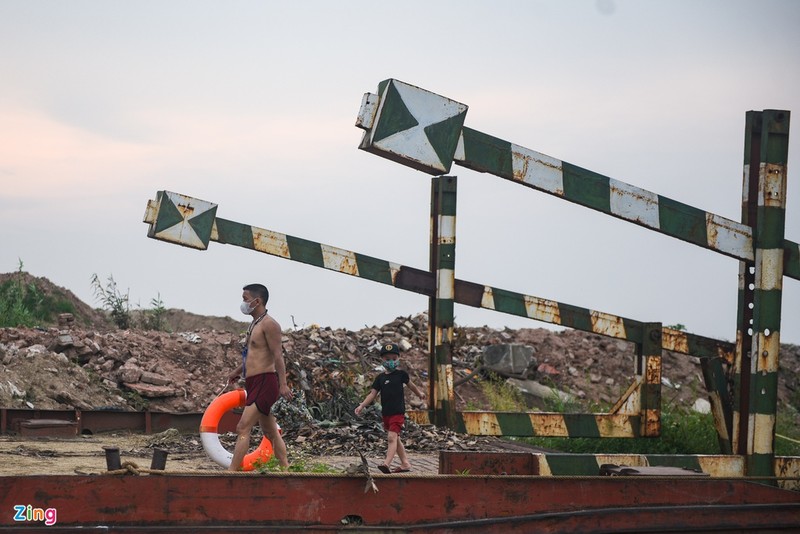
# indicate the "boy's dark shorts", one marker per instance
pixel 394 423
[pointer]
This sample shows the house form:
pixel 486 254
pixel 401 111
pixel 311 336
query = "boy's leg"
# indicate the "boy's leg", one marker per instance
pixel 392 438
pixel 243 428
pixel 401 453
pixel 269 426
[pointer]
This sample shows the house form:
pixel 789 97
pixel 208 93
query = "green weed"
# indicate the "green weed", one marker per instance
pixel 24 304
pixel 297 465
pixel 502 396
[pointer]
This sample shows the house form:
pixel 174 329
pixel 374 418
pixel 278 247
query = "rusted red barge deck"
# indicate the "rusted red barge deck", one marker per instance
pixel 441 503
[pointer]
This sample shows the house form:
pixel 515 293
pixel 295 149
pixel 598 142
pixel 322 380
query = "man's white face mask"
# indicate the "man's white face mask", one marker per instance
pixel 247 307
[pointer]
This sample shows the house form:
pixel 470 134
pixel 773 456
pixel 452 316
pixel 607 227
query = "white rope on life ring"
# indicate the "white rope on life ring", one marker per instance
pixel 209 434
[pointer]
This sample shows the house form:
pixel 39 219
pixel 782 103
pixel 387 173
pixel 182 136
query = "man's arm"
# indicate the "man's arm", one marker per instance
pixel 273 335
pixel 235 374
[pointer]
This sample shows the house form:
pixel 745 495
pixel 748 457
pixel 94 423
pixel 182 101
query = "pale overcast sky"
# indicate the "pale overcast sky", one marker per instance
pixel 251 105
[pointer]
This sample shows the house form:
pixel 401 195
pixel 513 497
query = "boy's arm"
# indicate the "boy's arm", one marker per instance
pixel 371 397
pixel 418 392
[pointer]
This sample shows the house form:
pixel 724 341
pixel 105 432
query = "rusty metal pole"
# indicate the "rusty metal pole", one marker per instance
pixel 113 461
pixel 762 291
pixel 747 269
pixel 650 370
pixel 440 309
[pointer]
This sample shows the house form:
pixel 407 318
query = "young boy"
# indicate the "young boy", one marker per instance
pixel 393 407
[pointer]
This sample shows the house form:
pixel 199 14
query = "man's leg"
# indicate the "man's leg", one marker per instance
pixel 243 428
pixel 269 426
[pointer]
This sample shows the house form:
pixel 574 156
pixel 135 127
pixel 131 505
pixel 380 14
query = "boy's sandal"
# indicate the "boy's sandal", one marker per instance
pixel 383 468
pixel 400 470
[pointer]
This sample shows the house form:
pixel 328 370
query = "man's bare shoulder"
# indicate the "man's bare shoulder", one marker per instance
pixel 269 323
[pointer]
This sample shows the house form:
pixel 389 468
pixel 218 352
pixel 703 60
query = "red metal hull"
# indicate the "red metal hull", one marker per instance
pixel 443 503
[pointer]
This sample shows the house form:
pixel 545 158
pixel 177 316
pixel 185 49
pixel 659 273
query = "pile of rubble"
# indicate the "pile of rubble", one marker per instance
pixel 65 367
pixel 331 370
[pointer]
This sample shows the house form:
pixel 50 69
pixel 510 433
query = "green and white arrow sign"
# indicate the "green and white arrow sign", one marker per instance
pixel 180 219
pixel 411 126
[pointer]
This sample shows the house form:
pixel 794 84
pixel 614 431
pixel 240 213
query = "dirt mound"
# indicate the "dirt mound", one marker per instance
pixel 84 314
pixel 89 364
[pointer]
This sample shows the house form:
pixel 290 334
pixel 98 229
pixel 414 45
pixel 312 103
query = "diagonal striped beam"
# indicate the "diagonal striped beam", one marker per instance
pixel 484 153
pixel 569 425
pixel 171 215
pixel 425 131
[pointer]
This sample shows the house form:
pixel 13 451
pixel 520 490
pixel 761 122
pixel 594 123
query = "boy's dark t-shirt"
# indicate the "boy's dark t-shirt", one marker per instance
pixel 390 386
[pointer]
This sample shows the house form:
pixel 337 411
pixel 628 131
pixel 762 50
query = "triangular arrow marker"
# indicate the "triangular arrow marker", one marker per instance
pixel 184 220
pixel 416 127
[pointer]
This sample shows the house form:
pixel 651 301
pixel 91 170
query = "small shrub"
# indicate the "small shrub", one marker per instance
pixel 502 396
pixel 113 301
pixel 155 317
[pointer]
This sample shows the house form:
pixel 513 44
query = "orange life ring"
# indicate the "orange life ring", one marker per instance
pixel 209 434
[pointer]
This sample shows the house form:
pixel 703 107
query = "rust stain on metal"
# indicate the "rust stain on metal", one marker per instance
pixel 421 417
pixel 549 425
pixel 616 426
pixel 271 243
pixel 674 340
pixel 774 185
pixel 637 197
pixel 652 422
pixel 531 159
pixel 481 424
pixel 768 346
pixel 653 370
pixel 608 325
pixel 543 310
pixel 150 212
pixel 788 467
pixel 719 414
pixel 186 210
pixel 337 260
pixel 722 466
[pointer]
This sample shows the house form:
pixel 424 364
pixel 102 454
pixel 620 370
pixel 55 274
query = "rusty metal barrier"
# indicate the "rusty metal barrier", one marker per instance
pixel 426 131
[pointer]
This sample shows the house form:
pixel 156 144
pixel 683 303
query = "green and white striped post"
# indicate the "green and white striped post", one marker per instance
pixel 441 318
pixel 760 288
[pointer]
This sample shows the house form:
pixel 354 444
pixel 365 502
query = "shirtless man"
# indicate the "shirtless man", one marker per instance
pixel 264 372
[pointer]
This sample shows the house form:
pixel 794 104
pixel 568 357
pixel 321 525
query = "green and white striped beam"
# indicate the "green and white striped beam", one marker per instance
pixel 425 150
pixel 190 222
pixel 540 424
pixel 589 464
